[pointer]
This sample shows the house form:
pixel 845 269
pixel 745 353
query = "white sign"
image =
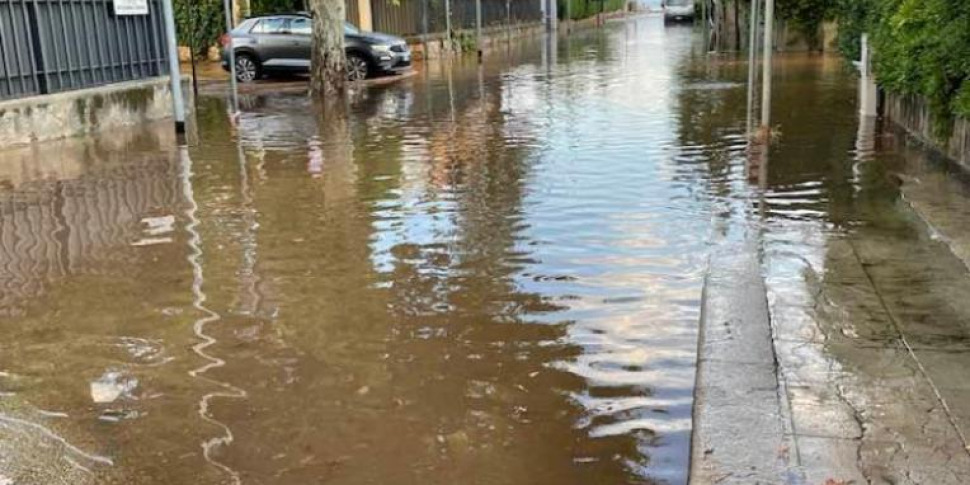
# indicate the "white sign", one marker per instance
pixel 131 7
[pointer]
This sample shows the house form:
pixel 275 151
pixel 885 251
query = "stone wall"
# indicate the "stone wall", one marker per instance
pixel 72 113
pixel 912 113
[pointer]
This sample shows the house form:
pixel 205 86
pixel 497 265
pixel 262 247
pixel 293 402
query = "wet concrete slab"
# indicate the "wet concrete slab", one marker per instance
pixel 739 421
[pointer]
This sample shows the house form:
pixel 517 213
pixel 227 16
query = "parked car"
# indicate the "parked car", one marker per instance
pixel 678 10
pixel 281 44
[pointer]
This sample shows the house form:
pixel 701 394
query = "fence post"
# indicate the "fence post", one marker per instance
pixel 40 69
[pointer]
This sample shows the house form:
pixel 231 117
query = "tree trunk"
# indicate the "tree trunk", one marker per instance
pixel 245 10
pixel 328 67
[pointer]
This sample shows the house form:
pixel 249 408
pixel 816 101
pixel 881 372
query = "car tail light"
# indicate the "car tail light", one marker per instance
pixel 224 40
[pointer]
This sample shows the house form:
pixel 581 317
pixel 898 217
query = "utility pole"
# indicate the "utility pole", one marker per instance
pixel 766 66
pixel 227 4
pixel 175 76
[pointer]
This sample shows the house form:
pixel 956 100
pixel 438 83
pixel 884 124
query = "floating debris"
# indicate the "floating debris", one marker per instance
pixel 111 386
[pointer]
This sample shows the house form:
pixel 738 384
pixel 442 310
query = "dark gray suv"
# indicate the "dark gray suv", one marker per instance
pixel 281 43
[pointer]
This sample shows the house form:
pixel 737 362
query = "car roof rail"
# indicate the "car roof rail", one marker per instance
pixel 281 14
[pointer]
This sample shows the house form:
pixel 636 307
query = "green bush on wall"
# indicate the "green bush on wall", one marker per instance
pixel 201 22
pixel 581 9
pixel 920 47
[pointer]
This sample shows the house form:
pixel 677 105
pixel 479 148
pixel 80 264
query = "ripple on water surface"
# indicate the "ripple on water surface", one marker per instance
pixel 478 276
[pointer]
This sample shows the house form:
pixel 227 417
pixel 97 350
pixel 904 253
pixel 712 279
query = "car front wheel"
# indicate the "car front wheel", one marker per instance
pixel 247 70
pixel 357 67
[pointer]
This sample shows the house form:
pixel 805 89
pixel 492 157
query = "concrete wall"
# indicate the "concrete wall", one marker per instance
pixel 912 113
pixel 49 117
pixel 497 36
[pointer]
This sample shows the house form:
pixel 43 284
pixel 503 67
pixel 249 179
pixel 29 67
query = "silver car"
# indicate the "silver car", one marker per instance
pixel 678 10
pixel 281 44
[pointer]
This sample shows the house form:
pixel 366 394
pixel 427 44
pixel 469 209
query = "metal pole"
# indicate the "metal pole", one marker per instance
pixel 478 28
pixel 868 91
pixel 508 20
pixel 753 21
pixel 175 76
pixel 569 16
pixel 553 15
pixel 448 22
pixel 766 64
pixel 227 4
pixel 424 27
pixel 706 25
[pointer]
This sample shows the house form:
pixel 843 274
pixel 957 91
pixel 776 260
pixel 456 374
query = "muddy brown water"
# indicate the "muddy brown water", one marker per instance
pixel 482 275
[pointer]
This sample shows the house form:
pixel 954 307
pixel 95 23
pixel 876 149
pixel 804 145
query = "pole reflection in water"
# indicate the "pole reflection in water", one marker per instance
pixel 211 445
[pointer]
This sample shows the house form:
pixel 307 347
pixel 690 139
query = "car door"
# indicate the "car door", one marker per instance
pixel 301 35
pixel 272 42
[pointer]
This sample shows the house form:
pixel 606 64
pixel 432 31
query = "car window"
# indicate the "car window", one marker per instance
pixel 349 29
pixel 244 27
pixel 300 27
pixel 270 26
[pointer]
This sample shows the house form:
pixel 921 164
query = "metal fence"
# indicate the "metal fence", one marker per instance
pixel 406 17
pixel 49 46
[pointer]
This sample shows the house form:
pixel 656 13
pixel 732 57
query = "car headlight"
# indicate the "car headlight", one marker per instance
pixel 381 48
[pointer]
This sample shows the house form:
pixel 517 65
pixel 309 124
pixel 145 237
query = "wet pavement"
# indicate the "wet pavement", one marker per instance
pixel 479 275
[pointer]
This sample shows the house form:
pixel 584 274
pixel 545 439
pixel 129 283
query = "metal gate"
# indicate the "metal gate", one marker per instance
pixel 49 46
pixel 405 17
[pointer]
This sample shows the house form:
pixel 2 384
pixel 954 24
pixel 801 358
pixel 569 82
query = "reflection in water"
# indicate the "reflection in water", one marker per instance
pixel 209 316
pixel 481 274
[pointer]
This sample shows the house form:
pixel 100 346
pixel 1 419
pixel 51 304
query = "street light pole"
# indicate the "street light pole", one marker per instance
pixel 175 75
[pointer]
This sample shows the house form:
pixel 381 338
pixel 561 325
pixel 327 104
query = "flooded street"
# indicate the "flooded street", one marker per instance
pixel 481 276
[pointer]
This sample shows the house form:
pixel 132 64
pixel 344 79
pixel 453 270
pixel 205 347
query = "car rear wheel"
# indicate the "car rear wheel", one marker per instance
pixel 247 69
pixel 357 67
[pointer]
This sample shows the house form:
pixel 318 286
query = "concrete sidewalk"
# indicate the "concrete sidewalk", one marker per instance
pixel 856 379
pixel 741 422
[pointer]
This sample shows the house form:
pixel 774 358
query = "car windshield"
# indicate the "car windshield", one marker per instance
pixel 349 29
